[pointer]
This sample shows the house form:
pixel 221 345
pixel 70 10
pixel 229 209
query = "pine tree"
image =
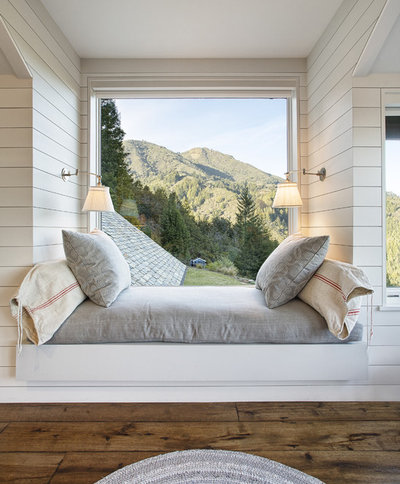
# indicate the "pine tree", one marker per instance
pixel 246 215
pixel 174 233
pixel 114 167
pixel 253 237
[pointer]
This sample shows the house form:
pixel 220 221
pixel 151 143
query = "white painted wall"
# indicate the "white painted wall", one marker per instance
pixel 344 135
pixel 339 129
pixel 39 135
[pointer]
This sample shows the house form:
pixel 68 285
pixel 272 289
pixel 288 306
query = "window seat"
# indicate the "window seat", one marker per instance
pixel 194 336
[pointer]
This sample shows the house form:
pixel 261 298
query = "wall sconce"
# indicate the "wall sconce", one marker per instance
pixel 98 198
pixel 287 193
pixel 321 173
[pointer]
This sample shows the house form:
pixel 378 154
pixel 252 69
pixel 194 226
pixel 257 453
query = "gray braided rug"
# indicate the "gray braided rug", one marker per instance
pixel 207 467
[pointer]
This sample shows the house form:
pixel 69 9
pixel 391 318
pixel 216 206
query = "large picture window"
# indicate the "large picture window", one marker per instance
pixel 193 177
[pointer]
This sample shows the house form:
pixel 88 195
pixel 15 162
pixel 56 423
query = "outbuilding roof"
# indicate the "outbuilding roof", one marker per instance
pixel 150 264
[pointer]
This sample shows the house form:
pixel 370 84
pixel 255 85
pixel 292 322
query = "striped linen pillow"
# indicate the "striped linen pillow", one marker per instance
pixel 335 291
pixel 47 296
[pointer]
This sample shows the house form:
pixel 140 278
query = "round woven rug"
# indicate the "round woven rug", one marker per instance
pixel 208 466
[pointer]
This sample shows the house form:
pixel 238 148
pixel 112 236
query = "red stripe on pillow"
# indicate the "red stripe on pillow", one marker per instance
pixel 331 283
pixel 56 297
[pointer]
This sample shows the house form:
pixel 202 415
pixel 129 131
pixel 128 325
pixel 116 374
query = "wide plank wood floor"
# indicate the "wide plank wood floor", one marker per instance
pixel 346 442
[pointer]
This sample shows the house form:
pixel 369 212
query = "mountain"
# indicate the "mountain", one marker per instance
pixel 207 180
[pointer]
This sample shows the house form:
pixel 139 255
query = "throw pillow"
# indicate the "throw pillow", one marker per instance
pixel 335 292
pixel 98 265
pixel 47 296
pixel 289 267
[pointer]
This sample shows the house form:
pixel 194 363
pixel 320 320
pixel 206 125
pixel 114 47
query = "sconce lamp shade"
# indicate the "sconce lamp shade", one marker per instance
pixel 287 195
pixel 98 200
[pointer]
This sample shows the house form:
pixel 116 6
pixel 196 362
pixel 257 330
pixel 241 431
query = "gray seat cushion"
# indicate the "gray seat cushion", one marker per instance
pixel 289 267
pixel 195 315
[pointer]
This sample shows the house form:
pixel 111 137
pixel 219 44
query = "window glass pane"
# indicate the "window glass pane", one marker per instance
pixel 392 168
pixel 198 177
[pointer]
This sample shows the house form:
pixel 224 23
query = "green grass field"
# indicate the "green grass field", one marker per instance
pixel 204 277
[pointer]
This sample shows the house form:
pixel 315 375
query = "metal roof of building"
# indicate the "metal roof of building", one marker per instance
pixel 150 264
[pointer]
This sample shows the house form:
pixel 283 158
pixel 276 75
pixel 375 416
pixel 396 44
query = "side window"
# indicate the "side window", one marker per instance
pixel 392 184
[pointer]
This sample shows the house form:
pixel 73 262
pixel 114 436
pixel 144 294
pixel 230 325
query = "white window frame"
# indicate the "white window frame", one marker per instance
pixel 390 99
pixel 182 86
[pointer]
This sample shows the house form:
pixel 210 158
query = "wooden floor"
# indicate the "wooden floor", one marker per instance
pixel 81 443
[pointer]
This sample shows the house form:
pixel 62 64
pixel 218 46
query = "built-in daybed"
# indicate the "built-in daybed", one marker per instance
pixel 194 336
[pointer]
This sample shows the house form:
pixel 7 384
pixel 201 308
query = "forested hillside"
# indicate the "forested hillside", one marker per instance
pixel 393 239
pixel 164 194
pixel 203 203
pixel 207 181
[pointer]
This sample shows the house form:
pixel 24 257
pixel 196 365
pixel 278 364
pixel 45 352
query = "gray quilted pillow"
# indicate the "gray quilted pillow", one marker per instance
pixel 289 267
pixel 98 265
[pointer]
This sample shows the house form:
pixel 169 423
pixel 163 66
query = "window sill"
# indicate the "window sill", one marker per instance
pixel 389 308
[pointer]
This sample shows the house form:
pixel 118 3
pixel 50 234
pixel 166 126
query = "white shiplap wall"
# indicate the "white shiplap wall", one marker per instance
pixel 344 135
pixel 16 218
pixel 338 123
pixel 39 135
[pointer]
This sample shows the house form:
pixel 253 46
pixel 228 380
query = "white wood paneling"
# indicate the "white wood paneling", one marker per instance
pixel 15 177
pixel 39 135
pixel 368 236
pixel 16 237
pixel 15 137
pixel 368 176
pixel 384 355
pixel 15 118
pixel 319 54
pixel 16 256
pixel 12 275
pixel 48 252
pixel 6 318
pixel 38 41
pixel 381 318
pixel 15 196
pixel 16 97
pixel 368 216
pixel 367 117
pixel 8 335
pixel 349 202
pixel 359 21
pixel 367 196
pixel 15 200
pixel 363 136
pixel 15 157
pixel 367 156
pixel 6 293
pixel 374 274
pixel 366 97
pixel 339 117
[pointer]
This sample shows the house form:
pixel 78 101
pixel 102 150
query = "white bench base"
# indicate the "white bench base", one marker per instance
pixel 170 364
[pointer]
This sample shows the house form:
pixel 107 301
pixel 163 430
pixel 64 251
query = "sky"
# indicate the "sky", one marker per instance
pixel 251 130
pixel 392 166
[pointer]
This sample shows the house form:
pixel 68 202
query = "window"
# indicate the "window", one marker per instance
pixel 392 202
pixel 208 178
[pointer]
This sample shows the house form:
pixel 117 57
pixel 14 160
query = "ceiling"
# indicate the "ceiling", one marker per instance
pixel 388 59
pixel 192 28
